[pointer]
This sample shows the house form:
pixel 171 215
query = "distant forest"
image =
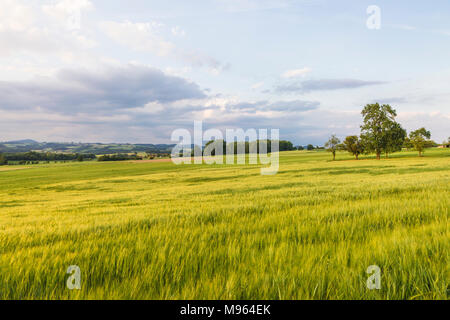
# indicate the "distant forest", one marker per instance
pixel 213 145
pixel 22 146
pixel 47 156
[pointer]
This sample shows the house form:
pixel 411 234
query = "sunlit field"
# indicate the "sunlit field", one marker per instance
pixel 160 231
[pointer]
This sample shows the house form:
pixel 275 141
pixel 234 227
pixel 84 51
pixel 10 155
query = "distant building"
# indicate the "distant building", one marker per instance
pixel 445 145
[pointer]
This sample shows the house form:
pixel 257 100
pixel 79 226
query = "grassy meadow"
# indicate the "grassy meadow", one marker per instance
pixel 159 231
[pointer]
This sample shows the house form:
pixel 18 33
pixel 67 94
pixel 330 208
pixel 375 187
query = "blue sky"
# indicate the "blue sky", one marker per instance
pixel 133 71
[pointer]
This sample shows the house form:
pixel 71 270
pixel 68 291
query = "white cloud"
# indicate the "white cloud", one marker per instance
pixel 257 85
pixel 443 32
pixel 405 27
pixel 138 36
pixel 15 15
pixel 294 73
pixel 17 28
pixel 67 12
pixel 251 5
pixel 147 37
pixel 26 29
pixel 177 31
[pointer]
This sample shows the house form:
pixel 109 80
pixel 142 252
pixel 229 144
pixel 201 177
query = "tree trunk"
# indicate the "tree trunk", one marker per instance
pixel 378 155
pixel 356 156
pixel 334 156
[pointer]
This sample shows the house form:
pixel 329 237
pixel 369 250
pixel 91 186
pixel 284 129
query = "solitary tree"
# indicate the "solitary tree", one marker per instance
pixel 378 121
pixel 309 147
pixel 353 145
pixel 332 145
pixel 418 139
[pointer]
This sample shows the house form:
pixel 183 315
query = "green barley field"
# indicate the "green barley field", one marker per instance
pixel 153 230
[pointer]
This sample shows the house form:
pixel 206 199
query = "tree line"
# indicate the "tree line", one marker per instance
pixel 380 134
pixel 310 147
pixel 212 145
pixel 35 157
pixel 119 157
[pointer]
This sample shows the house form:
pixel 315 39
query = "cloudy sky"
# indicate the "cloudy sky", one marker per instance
pixel 133 71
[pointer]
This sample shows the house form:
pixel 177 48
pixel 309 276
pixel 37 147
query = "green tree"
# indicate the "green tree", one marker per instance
pixel 286 145
pixel 418 139
pixel 430 144
pixel 332 145
pixel 394 139
pixel 407 144
pixel 309 147
pixel 80 158
pixel 379 120
pixel 354 145
pixel 3 160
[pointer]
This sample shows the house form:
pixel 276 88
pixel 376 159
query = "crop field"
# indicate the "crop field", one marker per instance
pixel 154 230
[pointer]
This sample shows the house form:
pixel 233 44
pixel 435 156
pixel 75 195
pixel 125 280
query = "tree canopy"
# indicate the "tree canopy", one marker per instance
pixel 419 138
pixel 332 145
pixel 380 132
pixel 354 145
pixel 394 138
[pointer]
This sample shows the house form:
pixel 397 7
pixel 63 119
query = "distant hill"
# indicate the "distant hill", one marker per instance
pixel 26 141
pixel 94 148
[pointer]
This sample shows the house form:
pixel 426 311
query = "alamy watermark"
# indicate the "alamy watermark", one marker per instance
pixel 236 144
pixel 74 18
pixel 74 280
pixel 374 280
pixel 374 20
